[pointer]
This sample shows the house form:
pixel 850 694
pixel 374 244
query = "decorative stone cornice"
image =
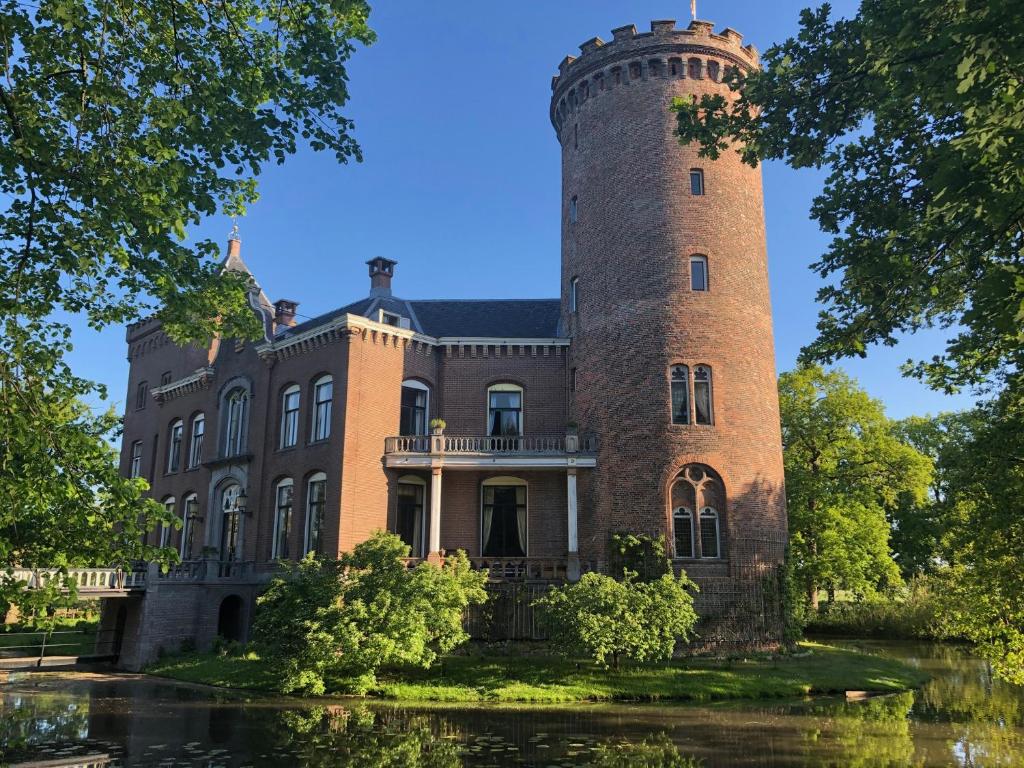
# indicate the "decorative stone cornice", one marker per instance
pixel 201 379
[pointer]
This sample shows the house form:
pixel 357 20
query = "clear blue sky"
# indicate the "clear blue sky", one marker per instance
pixel 460 182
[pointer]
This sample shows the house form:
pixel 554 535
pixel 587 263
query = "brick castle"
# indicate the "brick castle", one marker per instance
pixel 642 400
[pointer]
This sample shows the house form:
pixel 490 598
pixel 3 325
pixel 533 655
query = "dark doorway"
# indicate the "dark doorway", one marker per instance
pixel 229 618
pixel 119 623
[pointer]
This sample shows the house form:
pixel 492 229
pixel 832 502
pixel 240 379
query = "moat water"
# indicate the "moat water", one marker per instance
pixel 962 717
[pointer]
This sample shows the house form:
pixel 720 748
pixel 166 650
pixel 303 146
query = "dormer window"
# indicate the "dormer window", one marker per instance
pixel 388 319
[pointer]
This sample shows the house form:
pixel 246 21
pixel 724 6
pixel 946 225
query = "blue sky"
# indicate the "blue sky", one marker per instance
pixel 460 182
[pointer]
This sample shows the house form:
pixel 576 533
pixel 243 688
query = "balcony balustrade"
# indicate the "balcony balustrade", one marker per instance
pixel 503 445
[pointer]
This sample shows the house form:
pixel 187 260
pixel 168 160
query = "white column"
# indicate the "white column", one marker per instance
pixel 434 538
pixel 574 545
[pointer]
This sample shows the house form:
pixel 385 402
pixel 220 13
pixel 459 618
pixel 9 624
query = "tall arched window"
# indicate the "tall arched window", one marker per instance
pixel 135 468
pixel 680 384
pixel 316 505
pixel 505 410
pixel 174 441
pixel 164 538
pixel 703 403
pixel 574 295
pixel 503 517
pixel 415 408
pixel 682 532
pixel 410 513
pixel 709 534
pixel 141 395
pixel 189 516
pixel 230 522
pixel 282 520
pixel 195 450
pixel 236 421
pixel 323 395
pixel 290 416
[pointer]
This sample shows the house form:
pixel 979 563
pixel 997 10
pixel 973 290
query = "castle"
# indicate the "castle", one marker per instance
pixel 643 399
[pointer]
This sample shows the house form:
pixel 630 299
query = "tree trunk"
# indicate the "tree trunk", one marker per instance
pixel 812 595
pixel 831 595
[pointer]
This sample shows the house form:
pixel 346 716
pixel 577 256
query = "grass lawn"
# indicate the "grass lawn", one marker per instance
pixel 487 677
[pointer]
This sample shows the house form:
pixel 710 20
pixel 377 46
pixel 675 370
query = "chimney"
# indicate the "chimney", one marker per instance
pixel 284 312
pixel 234 243
pixel 381 272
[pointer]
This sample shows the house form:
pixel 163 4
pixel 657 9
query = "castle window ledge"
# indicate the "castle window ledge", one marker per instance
pixel 238 458
pixel 493 452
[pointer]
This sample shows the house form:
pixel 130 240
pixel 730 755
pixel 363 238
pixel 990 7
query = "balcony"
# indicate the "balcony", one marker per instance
pixel 487 451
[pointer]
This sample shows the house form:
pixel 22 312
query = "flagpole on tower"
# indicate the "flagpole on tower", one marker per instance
pixel 693 9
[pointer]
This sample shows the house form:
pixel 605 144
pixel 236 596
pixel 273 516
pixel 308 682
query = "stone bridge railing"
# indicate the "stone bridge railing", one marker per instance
pixel 86 580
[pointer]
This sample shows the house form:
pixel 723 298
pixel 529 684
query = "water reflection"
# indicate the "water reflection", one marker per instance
pixel 963 717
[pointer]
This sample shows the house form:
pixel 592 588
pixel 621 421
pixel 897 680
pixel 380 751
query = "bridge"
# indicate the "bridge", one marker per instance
pixel 89 582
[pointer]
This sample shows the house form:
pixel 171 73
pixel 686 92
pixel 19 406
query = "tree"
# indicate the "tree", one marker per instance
pixel 914 108
pixel 120 125
pixel 602 617
pixel 368 610
pixel 844 466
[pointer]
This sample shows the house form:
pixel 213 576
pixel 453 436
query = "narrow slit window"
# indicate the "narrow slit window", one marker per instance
pixel 574 295
pixel 573 210
pixel 698 273
pixel 680 394
pixel 696 181
pixel 702 396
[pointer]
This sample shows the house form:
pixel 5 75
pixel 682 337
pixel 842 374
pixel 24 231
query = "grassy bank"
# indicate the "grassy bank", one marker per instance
pixel 487 677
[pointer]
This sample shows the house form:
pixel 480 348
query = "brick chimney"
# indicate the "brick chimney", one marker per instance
pixel 381 272
pixel 284 312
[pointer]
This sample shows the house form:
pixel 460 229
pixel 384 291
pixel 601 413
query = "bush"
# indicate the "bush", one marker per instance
pixel 600 617
pixel 352 616
pixel 909 614
pixel 638 553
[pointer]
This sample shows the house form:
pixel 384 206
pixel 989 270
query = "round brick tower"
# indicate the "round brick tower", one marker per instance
pixel 640 215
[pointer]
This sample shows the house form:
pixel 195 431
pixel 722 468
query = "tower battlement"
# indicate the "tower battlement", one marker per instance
pixel 697 51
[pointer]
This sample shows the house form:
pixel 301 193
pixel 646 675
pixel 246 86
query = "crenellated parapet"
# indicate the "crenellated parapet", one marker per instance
pixel 697 52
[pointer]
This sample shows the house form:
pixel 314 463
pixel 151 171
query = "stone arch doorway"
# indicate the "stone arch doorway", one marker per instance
pixel 230 624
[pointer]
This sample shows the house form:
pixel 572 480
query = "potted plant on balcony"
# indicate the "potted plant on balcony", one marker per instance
pixel 572 428
pixel 437 426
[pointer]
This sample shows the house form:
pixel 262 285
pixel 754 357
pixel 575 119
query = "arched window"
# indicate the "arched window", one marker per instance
pixel 323 395
pixel 141 394
pixel 574 209
pixel 682 532
pixel 713 70
pixel 164 529
pixel 409 516
pixel 236 422
pixel 574 295
pixel 698 273
pixel 189 518
pixel 316 505
pixel 709 541
pixel 503 517
pixel 282 520
pixel 135 468
pixel 230 510
pixel 680 384
pixel 505 410
pixel 195 450
pixel 703 403
pixel 695 69
pixel 696 181
pixel 290 416
pixel 174 445
pixel 415 408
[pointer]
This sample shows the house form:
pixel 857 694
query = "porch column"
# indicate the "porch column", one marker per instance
pixel 573 562
pixel 434 536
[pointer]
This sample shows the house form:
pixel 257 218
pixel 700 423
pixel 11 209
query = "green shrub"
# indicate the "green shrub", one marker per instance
pixel 600 617
pixel 909 614
pixel 350 617
pixel 640 554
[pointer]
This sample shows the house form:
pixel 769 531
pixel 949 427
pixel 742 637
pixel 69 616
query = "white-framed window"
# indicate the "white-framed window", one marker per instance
pixel 696 181
pixel 135 469
pixel 415 408
pixel 410 513
pixel 574 295
pixel 283 503
pixel 709 533
pixel 290 416
pixel 505 410
pixel 230 522
pixel 503 517
pixel 574 209
pixel 195 449
pixel 189 517
pixel 236 422
pixel 164 529
pixel 680 391
pixel 323 395
pixel 316 505
pixel 703 402
pixel 698 273
pixel 177 434
pixel 682 532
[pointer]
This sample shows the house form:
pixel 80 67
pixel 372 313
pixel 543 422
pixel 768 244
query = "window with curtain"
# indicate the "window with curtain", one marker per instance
pixel 316 504
pixel 709 539
pixel 229 523
pixel 323 394
pixel 412 419
pixel 189 514
pixel 282 520
pixel 290 416
pixel 165 529
pixel 503 521
pixel 505 410
pixel 136 466
pixel 698 273
pixel 702 400
pixel 409 520
pixel 682 528
pixel 174 446
pixel 236 422
pixel 680 385
pixel 195 450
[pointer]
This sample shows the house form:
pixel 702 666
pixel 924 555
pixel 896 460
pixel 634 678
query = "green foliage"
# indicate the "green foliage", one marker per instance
pixel 655 752
pixel 913 107
pixel 600 617
pixel 350 617
pixel 120 126
pixel 640 554
pixel 906 614
pixel 845 466
pixel 795 609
